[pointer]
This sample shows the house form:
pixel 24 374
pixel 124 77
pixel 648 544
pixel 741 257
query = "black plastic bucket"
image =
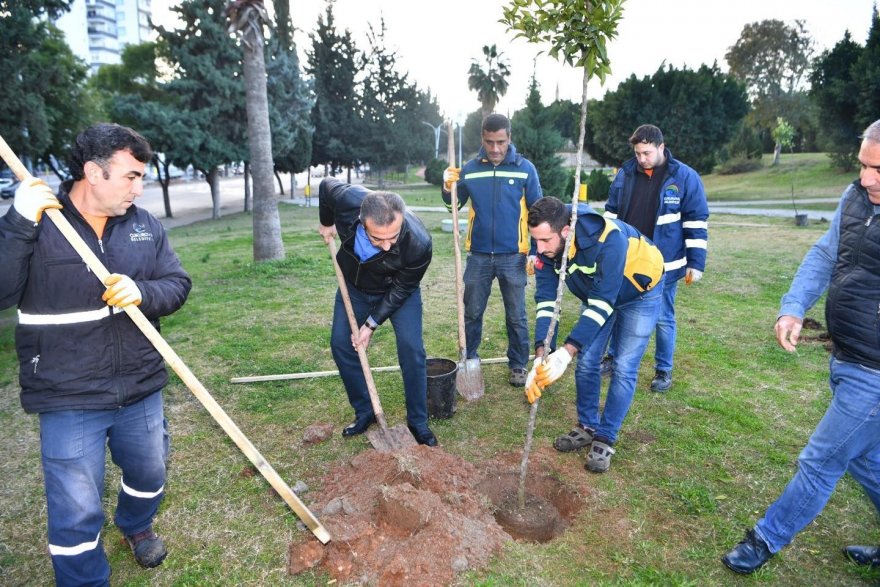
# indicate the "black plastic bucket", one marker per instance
pixel 441 387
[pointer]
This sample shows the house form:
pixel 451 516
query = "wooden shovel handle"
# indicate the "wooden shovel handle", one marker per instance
pixel 459 291
pixel 176 363
pixel 355 329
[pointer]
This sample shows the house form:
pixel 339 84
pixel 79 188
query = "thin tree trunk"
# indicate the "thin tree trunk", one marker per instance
pixel 164 181
pixel 267 222
pixel 776 152
pixel 213 179
pixel 533 413
pixel 247 187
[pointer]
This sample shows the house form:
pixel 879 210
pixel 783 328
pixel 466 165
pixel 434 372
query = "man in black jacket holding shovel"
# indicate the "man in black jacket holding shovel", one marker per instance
pixel 85 367
pixel 385 252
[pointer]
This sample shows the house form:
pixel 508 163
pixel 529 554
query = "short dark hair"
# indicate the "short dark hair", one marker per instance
pixel 496 122
pixel 550 210
pixel 100 142
pixel 647 133
pixel 382 207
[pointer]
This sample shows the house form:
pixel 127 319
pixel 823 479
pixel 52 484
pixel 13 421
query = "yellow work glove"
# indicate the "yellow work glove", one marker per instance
pixel 121 291
pixel 692 275
pixel 552 368
pixel 533 392
pixel 32 197
pixel 450 176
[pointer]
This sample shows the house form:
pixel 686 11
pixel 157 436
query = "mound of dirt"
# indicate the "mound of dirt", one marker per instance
pixel 420 516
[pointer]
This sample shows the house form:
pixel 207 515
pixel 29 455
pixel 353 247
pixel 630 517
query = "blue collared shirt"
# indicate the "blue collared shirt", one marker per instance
pixel 814 274
pixel 363 248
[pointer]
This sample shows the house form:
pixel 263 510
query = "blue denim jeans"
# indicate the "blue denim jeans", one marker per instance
pixel 73 445
pixel 510 270
pixel 407 323
pixel 631 325
pixel 664 350
pixel 846 439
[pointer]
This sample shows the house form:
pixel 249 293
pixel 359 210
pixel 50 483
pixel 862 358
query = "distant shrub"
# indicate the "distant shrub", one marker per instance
pixel 434 171
pixel 598 183
pixel 738 165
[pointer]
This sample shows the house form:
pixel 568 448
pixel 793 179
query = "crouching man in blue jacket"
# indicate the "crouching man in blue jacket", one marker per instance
pixel 85 367
pixel 617 273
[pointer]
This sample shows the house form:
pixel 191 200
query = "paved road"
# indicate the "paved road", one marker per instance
pixel 191 199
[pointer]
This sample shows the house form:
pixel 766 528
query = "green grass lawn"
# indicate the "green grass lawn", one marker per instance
pixel 810 174
pixel 695 467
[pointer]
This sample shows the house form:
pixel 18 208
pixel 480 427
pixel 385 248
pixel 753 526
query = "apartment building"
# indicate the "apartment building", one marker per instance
pixel 98 30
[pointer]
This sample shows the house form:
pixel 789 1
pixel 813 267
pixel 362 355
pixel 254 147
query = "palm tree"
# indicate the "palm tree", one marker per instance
pixel 247 17
pixel 491 82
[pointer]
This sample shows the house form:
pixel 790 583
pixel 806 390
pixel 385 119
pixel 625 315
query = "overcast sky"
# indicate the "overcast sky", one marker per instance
pixel 436 41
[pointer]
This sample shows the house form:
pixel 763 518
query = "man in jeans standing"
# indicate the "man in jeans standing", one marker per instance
pixel 664 199
pixel 501 186
pixel 846 262
pixel 86 368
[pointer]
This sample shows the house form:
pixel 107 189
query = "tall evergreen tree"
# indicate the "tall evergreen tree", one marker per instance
pixel 290 100
pixel 390 106
pixel 134 96
pixel 45 102
pixel 866 72
pixel 536 139
pixel 834 91
pixel 209 89
pixel 332 64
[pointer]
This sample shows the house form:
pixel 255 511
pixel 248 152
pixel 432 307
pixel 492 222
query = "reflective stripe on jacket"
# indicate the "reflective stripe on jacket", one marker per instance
pixel 74 352
pixel 682 229
pixel 609 263
pixel 500 197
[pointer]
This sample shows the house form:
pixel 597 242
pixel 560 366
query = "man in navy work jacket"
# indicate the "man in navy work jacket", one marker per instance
pixel 384 254
pixel 85 367
pixel 617 274
pixel 846 263
pixel 501 185
pixel 664 199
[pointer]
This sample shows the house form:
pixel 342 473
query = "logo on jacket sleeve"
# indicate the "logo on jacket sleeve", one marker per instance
pixel 140 233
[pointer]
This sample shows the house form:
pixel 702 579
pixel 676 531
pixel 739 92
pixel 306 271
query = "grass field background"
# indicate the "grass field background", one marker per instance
pixel 695 467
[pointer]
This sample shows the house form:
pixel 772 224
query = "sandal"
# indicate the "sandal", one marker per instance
pixel 599 459
pixel 578 438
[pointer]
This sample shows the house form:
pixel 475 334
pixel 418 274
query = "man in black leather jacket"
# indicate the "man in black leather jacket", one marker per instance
pixel 384 254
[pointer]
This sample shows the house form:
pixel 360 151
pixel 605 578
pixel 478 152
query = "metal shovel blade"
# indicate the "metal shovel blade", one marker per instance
pixel 391 439
pixel 469 379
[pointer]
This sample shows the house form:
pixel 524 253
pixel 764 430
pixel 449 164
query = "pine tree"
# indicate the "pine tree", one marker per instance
pixel 537 140
pixel 209 89
pixel 331 63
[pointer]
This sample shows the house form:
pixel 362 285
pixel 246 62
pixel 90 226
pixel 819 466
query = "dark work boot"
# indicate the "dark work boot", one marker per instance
pixel 662 381
pixel 606 366
pixel 149 550
pixel 863 555
pixel 748 556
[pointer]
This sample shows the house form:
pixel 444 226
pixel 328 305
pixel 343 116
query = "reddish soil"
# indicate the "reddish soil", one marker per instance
pixel 420 515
